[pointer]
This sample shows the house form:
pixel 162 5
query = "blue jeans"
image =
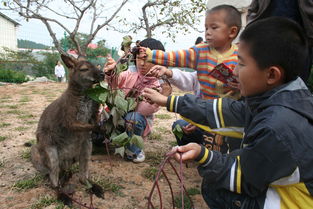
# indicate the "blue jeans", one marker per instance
pixel 135 124
pixel 224 199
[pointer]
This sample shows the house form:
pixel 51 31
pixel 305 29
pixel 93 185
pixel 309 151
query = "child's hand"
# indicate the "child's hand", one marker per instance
pixel 189 152
pixel 158 71
pixel 142 53
pixel 166 89
pixel 155 96
pixel 233 85
pixel 109 65
pixel 189 128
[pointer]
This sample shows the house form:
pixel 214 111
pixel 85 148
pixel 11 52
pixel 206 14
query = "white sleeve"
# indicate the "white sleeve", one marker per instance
pixel 186 81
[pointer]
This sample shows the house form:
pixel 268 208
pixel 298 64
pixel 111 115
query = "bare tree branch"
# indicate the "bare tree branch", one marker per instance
pixel 81 9
pixel 169 16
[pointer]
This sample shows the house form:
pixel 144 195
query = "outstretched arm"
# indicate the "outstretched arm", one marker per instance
pixel 221 116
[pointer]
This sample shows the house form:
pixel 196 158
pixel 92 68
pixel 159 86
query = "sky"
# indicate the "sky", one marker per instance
pixel 35 30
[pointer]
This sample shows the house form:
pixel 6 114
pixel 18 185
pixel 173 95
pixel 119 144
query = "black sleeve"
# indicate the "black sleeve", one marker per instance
pixel 223 116
pixel 252 169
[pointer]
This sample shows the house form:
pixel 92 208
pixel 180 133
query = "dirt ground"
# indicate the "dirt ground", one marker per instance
pixel 126 185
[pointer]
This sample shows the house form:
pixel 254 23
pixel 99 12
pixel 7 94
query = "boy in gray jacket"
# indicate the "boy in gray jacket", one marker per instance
pixel 273 169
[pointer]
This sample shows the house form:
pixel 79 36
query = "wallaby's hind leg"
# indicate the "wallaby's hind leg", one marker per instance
pixel 53 164
pixel 37 160
pixel 84 158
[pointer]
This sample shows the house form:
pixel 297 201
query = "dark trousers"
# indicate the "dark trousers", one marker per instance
pixel 224 199
pixel 306 74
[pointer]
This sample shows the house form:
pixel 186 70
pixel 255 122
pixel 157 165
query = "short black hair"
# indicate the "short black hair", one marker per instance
pixel 152 44
pixel 278 41
pixel 233 16
pixel 199 40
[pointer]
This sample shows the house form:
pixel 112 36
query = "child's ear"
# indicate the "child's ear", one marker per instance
pixel 233 32
pixel 275 75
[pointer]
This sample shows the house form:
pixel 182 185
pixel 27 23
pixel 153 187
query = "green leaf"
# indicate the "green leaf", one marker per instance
pixel 119 93
pixel 103 97
pixel 132 104
pixel 116 116
pixel 137 140
pixel 121 139
pixel 97 93
pixel 121 67
pixel 127 41
pixel 104 85
pixel 120 150
pixel 121 103
pixel 178 131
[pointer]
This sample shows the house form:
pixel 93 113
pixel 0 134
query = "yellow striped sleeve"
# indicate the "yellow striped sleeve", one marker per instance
pixel 192 58
pixel 181 57
pixel 220 112
pixel 205 156
pixel 172 103
pixel 149 54
pixel 238 176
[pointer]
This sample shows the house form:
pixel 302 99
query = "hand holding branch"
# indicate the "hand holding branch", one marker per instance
pixel 189 152
pixel 155 97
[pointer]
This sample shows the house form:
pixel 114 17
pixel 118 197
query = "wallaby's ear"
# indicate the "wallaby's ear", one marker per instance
pixel 69 61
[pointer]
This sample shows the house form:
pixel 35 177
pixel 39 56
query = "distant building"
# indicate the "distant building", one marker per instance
pixel 8 30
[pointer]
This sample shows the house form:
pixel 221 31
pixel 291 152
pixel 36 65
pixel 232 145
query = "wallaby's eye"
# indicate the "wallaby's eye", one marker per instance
pixel 83 69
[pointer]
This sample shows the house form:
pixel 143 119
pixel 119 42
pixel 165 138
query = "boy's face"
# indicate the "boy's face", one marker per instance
pixel 252 80
pixel 142 65
pixel 217 32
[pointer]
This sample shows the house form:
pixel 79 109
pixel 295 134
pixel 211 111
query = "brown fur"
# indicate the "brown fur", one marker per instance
pixel 63 133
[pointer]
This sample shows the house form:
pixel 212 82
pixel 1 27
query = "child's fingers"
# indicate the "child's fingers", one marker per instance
pixel 154 71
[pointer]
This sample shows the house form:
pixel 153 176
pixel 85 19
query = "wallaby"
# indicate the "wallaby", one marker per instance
pixel 64 129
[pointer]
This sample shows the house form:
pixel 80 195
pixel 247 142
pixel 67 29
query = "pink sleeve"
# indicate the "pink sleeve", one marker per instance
pixel 146 108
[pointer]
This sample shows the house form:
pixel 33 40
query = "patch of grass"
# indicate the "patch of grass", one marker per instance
pixel 25 184
pixel 154 158
pixel 21 128
pixel 6 97
pixel 162 130
pixel 26 154
pixel 46 201
pixel 2 138
pixel 193 191
pixel 108 185
pixel 31 122
pixel 178 202
pixel 3 125
pixel 15 112
pixel 163 116
pixel 172 143
pixel 150 173
pixel 36 91
pixel 25 99
pixel 155 136
pixel 26 116
pixel 13 107
pixel 74 168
